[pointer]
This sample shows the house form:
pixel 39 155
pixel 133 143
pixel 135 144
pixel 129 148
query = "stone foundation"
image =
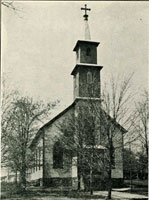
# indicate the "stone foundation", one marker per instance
pixel 117 182
pixel 72 183
pixel 57 182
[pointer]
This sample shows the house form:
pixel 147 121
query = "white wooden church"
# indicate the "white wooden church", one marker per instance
pixel 50 168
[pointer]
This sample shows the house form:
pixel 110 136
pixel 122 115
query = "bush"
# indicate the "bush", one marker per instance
pixel 10 189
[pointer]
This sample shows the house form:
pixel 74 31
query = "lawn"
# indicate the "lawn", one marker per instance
pixel 11 192
pixel 45 194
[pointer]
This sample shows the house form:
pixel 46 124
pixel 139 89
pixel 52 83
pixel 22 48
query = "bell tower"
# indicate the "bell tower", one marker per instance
pixel 86 73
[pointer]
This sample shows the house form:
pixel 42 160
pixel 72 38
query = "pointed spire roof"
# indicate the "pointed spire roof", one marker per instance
pixel 87 39
pixel 87 31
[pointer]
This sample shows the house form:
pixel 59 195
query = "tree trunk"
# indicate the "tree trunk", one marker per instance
pixel 91 176
pixel 110 169
pixel 146 145
pixel 91 181
pixel 110 183
pixel 130 169
pixel 16 178
pixel 23 178
pixel 79 179
pixel 23 171
pixel 79 173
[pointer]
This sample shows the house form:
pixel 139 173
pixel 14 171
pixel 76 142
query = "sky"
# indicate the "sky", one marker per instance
pixel 38 42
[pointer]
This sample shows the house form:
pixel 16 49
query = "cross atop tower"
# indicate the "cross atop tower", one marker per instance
pixel 86 9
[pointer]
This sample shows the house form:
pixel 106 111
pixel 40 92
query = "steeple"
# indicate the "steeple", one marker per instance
pixel 87 31
pixel 86 9
pixel 86 73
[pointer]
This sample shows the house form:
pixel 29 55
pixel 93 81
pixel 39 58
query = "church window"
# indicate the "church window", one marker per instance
pixel 40 157
pixel 89 129
pixel 57 156
pixel 34 162
pixel 88 51
pixel 77 54
pixel 36 159
pixel 113 158
pixel 89 77
pixel 74 81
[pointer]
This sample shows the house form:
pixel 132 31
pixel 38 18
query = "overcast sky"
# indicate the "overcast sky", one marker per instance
pixel 37 44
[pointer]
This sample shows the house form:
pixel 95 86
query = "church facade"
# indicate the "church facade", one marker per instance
pixel 52 167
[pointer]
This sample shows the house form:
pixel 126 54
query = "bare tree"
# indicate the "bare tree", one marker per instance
pixel 130 164
pixel 15 8
pixel 98 124
pixel 9 4
pixel 8 97
pixel 20 122
pixel 141 121
pixel 115 113
pixel 140 128
pixel 79 133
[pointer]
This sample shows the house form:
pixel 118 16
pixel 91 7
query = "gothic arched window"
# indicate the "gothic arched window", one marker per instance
pixel 113 157
pixel 89 130
pixel 57 156
pixel 89 77
pixel 77 53
pixel 88 51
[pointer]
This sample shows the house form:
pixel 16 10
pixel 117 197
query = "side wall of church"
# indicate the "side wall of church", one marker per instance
pixel 68 174
pixel 59 176
pixel 35 173
pixel 117 172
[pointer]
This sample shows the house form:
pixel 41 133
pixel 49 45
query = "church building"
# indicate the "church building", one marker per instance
pixel 50 168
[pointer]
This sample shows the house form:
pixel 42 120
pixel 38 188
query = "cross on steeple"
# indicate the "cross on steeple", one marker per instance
pixel 86 9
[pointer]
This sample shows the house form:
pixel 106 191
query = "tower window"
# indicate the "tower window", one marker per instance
pixel 89 77
pixel 77 53
pixel 74 81
pixel 57 156
pixel 88 52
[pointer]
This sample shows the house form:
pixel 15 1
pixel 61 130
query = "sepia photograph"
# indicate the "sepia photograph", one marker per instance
pixel 74 100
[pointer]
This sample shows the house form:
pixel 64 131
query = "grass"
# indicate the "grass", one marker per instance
pixel 11 191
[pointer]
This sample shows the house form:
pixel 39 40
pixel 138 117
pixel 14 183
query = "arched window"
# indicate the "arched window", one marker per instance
pixel 88 51
pixel 77 53
pixel 57 156
pixel 89 130
pixel 113 157
pixel 89 77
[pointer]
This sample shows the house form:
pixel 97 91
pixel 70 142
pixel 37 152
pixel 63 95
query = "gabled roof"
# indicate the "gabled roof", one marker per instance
pixel 61 114
pixel 115 122
pixel 49 123
pixel 58 116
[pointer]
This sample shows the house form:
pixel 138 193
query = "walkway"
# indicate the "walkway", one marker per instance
pixel 122 195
